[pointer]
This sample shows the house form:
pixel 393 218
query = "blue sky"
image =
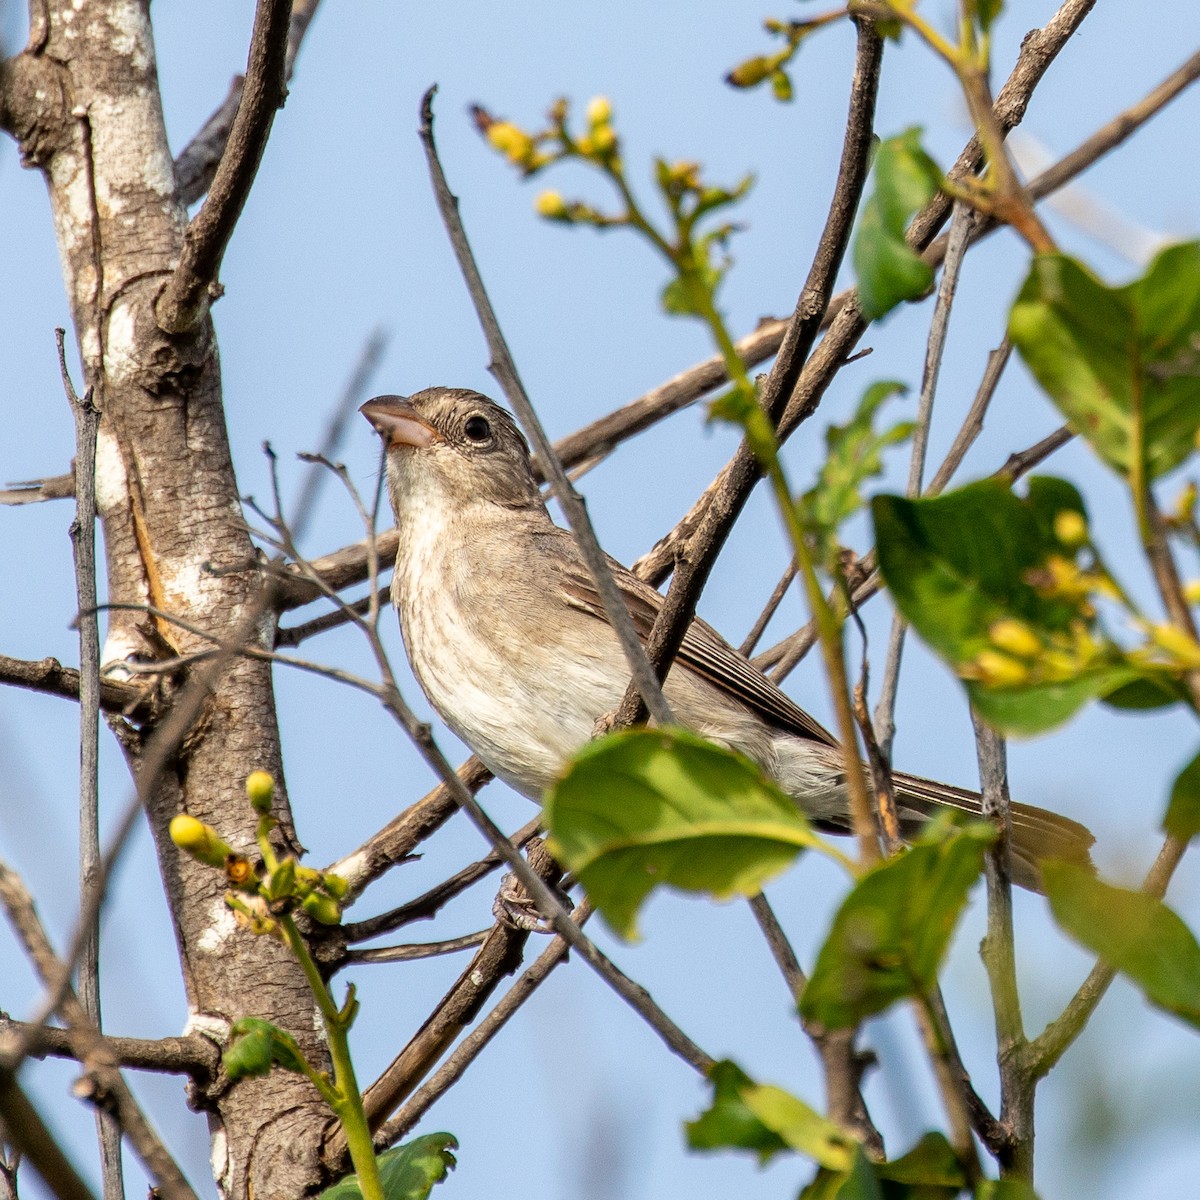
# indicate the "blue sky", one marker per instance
pixel 340 236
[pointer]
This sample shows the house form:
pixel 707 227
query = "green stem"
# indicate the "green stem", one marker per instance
pixel 348 1106
pixel 761 436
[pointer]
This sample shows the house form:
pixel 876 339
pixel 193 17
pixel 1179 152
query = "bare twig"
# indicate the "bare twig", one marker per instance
pixel 705 540
pixel 504 369
pixel 83 546
pixel 1049 1046
pixel 192 1055
pixel 106 1084
pixel 34 491
pixel 335 431
pixel 49 676
pixel 427 905
pixel 998 951
pixel 499 955
pixel 769 610
pixel 25 1129
pixel 414 950
pixel 960 231
pixel 185 299
pixel 470 1047
pixel 198 161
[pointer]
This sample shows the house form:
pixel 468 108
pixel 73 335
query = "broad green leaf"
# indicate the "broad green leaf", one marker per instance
pixel 1146 692
pixel 745 1115
pixel 929 1171
pixel 257 1046
pixel 853 454
pixel 1183 812
pixel 801 1127
pixel 1118 360
pixel 1133 932
pixel 891 933
pixel 647 807
pixel 728 1124
pixel 959 564
pixel 888 270
pixel 407 1172
pixel 984 12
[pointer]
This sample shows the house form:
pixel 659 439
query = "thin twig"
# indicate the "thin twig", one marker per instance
pixel 1049 1046
pixel 106 1084
pixel 960 232
pixel 83 547
pixel 25 1130
pixel 414 950
pixel 998 951
pixel 339 419
pixel 769 609
pixel 705 540
pixel 185 299
pixel 470 1047
pixel 504 369
pixel 430 903
pixel 198 161
pixel 192 1054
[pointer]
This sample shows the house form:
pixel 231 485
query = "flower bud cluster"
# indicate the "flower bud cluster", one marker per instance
pixel 262 892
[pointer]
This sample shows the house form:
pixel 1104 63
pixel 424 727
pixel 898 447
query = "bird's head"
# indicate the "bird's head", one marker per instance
pixel 450 445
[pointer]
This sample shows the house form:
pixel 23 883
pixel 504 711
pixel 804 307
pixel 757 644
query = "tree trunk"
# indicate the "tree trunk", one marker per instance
pixel 82 100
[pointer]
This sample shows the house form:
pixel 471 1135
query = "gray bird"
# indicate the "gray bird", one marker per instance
pixel 507 635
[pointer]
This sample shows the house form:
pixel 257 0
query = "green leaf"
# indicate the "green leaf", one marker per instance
pixel 745 1115
pixel 984 13
pixel 891 932
pixel 1005 1189
pixel 1109 356
pixel 888 271
pixel 407 1172
pixel 1133 932
pixel 853 454
pixel 1183 812
pixel 929 1171
pixel 257 1046
pixel 1146 692
pixel 647 807
pixel 959 563
pixel 728 1124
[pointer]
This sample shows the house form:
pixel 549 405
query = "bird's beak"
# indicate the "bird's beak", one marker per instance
pixel 397 422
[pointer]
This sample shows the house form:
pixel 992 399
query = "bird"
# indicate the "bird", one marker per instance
pixel 507 636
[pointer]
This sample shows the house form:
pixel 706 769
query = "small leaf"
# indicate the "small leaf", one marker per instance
pixel 888 270
pixel 407 1172
pixel 1183 812
pixel 766 1119
pixel 647 807
pixel 1133 932
pixel 891 932
pixel 728 1124
pixel 984 13
pixel 1116 360
pixel 854 454
pixel 257 1046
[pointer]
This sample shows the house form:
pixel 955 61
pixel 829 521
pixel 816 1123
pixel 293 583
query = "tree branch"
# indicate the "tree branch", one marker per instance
pixel 185 299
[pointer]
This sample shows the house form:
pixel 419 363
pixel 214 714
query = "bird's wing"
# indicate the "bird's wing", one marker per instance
pixel 704 650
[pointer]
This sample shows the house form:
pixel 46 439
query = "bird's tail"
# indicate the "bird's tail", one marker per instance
pixel 1036 833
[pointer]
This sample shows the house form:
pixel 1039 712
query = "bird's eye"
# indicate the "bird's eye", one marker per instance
pixel 478 428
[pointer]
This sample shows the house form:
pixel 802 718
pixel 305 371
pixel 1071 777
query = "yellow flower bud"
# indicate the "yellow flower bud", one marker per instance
pixel 260 787
pixel 201 841
pixel 604 139
pixel 515 144
pixel 552 206
pixel 1191 591
pixel 599 111
pixel 751 72
pixel 1014 636
pixel 1185 650
pixel 998 670
pixel 1070 528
